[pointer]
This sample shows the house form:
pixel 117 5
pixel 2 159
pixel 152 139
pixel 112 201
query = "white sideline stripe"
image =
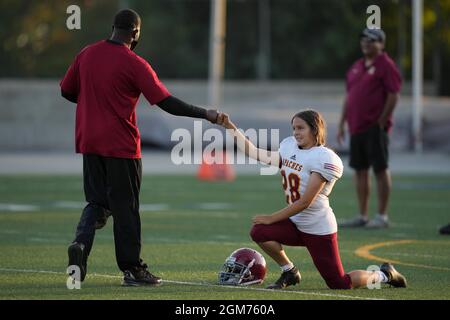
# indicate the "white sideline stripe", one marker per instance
pixel 63 204
pixel 203 284
pixel 269 290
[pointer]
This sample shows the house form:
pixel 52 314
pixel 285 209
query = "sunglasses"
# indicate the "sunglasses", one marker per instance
pixel 366 39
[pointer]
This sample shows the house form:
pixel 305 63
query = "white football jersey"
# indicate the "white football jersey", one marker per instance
pixel 296 168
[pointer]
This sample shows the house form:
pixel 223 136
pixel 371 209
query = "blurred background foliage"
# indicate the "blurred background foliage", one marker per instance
pixel 305 39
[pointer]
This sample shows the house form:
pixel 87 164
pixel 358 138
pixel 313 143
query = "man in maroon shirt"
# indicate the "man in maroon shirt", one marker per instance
pixel 373 86
pixel 106 80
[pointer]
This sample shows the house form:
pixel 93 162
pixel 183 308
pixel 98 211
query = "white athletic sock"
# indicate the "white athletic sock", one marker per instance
pixel 287 267
pixel 382 277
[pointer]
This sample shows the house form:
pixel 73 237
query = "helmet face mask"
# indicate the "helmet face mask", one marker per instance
pixel 243 267
pixel 234 273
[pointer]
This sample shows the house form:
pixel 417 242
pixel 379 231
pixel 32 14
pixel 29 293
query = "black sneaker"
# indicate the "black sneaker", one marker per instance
pixel 445 229
pixel 139 276
pixel 77 258
pixel 395 278
pixel 288 278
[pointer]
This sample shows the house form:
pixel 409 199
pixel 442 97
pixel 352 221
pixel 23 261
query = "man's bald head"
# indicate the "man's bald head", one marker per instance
pixel 126 27
pixel 127 20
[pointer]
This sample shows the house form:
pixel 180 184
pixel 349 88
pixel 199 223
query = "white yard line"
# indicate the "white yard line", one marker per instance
pixel 16 207
pixel 203 284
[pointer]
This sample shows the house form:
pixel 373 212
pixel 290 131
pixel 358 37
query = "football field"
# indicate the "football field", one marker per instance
pixel 189 228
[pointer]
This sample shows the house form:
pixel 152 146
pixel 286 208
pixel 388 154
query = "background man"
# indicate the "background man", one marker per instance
pixel 373 86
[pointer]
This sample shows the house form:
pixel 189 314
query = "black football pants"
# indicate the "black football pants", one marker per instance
pixel 111 186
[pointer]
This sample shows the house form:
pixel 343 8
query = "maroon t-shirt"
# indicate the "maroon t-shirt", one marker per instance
pixel 108 78
pixel 367 89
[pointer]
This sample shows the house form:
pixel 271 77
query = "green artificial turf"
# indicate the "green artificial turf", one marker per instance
pixel 189 228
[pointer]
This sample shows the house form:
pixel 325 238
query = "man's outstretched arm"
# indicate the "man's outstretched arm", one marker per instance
pixel 177 107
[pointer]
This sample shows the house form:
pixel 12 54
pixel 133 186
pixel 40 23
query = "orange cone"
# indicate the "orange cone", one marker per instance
pixel 209 171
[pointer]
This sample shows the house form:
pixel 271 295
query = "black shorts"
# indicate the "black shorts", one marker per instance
pixel 369 149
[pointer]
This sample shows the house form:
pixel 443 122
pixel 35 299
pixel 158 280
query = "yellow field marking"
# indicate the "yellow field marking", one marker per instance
pixel 364 252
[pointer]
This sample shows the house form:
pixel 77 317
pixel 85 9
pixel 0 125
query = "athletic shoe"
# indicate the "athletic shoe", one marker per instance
pixel 395 278
pixel 139 276
pixel 355 222
pixel 288 278
pixel 379 222
pixel 445 229
pixel 77 257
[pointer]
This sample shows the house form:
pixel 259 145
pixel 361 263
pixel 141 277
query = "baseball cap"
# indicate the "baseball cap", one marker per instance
pixel 374 34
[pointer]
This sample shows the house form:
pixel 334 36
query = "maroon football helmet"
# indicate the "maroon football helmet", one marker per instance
pixel 244 266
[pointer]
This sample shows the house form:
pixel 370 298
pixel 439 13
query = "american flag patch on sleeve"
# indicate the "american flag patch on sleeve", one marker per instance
pixel 332 167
